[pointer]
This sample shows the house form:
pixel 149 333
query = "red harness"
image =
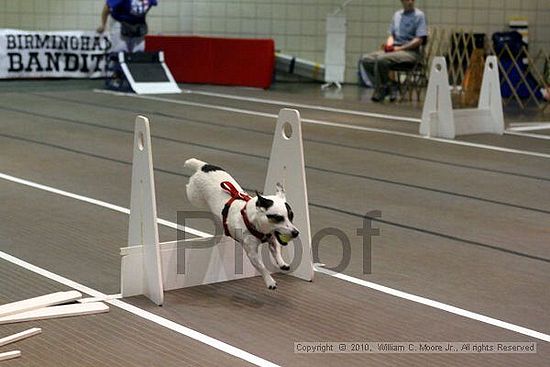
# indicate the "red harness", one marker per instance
pixel 236 195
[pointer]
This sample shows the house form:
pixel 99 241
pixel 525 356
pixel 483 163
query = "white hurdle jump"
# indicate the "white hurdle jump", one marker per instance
pixel 438 117
pixel 149 267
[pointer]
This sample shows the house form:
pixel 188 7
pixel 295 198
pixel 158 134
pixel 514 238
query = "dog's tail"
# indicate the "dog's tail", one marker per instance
pixel 194 164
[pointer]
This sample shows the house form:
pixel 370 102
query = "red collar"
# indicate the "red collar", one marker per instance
pixel 236 195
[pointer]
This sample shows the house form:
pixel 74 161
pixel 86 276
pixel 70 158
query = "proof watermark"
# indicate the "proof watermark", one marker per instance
pixel 416 347
pixel 365 232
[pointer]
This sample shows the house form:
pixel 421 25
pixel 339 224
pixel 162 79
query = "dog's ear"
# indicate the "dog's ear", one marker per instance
pixel 280 190
pixel 289 212
pixel 263 203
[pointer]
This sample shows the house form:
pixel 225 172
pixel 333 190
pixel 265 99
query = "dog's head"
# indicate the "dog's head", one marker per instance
pixel 276 216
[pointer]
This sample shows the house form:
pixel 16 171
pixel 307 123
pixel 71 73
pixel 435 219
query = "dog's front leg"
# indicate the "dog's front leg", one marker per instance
pixel 275 250
pixel 251 246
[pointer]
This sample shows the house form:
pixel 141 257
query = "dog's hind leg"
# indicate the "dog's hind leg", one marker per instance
pixel 251 247
pixel 275 250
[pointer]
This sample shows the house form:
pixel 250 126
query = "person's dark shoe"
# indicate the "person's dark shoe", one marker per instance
pixel 379 95
pixel 392 93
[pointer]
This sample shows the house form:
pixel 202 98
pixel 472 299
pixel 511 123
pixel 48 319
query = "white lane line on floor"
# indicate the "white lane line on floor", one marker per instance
pixel 193 334
pixel 529 127
pixel 438 305
pixel 527 123
pixel 108 297
pixel 527 135
pixel 329 124
pixel 96 202
pixel 378 287
pixel 307 106
pixel 514 126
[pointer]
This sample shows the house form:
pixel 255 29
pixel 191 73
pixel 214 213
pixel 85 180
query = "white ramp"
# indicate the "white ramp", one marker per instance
pixel 286 166
pixel 440 120
pixel 147 73
pixel 145 276
pixel 148 267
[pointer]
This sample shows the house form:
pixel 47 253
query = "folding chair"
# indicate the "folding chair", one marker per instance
pixel 412 77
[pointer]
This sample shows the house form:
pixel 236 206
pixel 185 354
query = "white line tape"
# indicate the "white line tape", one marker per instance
pixel 378 287
pixel 532 123
pixel 96 202
pixel 306 106
pixel 109 297
pixel 541 126
pixel 215 343
pixel 527 135
pixel 331 124
pixel 438 305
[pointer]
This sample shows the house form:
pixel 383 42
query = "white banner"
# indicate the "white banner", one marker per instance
pixel 59 54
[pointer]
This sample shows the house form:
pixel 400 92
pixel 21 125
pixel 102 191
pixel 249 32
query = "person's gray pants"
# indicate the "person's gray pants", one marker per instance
pixel 378 64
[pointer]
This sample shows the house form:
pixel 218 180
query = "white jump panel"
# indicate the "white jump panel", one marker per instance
pixel 286 166
pixel 438 117
pixel 197 261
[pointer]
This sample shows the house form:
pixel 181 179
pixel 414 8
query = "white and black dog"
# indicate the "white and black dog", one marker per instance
pixel 248 220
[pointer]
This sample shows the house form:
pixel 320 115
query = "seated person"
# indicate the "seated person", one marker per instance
pixel 407 33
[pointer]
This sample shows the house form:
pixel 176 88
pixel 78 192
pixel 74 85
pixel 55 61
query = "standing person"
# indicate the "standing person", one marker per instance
pixel 127 26
pixel 407 32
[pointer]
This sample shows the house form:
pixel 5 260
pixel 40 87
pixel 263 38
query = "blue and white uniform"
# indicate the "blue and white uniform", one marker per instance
pixel 130 11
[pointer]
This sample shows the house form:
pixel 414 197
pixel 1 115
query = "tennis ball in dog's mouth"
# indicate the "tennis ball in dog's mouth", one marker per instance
pixel 285 237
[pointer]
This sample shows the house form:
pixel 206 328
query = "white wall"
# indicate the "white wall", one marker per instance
pixel 297 26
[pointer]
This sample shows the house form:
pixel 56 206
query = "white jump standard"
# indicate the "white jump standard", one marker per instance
pixel 438 117
pixel 149 267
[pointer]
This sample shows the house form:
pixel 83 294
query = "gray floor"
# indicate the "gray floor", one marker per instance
pixel 461 225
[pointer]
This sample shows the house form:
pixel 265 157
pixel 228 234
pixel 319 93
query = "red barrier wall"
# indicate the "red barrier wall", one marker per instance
pixel 226 61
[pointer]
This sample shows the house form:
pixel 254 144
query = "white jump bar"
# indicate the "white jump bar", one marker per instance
pixel 57 311
pixel 10 355
pixel 38 302
pixel 20 336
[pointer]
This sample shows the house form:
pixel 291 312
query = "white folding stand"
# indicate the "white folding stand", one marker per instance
pixel 438 117
pixel 335 52
pixel 149 267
